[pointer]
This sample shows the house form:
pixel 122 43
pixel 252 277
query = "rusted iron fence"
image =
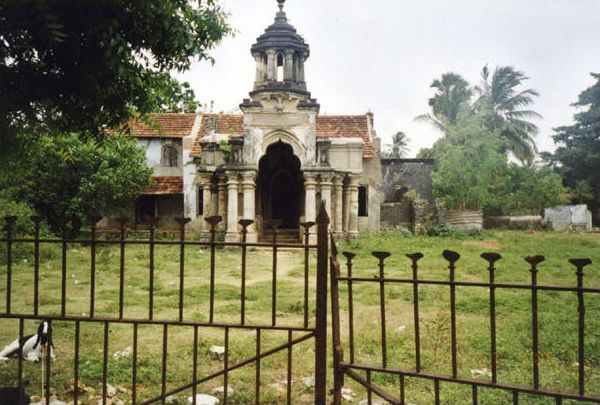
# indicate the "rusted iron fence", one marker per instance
pixel 307 327
pixel 348 364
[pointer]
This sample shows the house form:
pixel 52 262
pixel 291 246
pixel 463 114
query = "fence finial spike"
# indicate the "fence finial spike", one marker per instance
pixel 415 257
pixel 323 216
pixel 451 256
pixel 491 257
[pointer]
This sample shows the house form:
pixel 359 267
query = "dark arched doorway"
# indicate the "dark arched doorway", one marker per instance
pixel 279 186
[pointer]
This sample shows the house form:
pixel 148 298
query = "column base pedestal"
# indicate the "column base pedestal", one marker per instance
pixel 232 237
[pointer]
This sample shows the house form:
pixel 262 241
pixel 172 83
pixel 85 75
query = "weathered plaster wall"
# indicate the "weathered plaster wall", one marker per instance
pixel 371 177
pixel 153 148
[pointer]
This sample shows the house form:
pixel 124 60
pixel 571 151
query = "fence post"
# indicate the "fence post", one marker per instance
pixel 338 355
pixel 321 310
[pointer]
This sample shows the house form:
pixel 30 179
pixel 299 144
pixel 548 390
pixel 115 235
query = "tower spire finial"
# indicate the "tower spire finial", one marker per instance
pixel 281 2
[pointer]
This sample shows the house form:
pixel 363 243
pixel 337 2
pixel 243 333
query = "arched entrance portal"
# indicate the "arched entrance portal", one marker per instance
pixel 279 186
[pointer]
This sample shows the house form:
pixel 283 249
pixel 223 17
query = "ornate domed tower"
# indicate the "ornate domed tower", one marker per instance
pixel 280 54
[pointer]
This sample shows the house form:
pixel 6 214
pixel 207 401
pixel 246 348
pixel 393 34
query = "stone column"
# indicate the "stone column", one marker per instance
pixel 288 65
pixel 260 69
pixel 232 234
pixel 301 68
pixel 206 186
pixel 338 205
pixel 326 192
pixel 310 202
pixel 353 220
pixel 222 206
pixel 248 188
pixel 271 65
pixel 346 208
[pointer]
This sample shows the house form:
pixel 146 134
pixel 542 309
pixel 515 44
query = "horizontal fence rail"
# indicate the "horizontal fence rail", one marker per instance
pixel 362 371
pixel 306 326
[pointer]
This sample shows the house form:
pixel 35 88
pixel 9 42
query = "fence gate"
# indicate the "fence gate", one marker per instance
pixel 349 363
pixel 163 310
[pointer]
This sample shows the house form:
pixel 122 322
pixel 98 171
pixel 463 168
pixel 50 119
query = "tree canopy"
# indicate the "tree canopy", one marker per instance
pixel 67 177
pixel 501 104
pixel 577 157
pixel 86 66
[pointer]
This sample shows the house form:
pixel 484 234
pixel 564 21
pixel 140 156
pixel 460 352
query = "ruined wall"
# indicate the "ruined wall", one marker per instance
pixel 153 149
pixel 407 174
pixel 399 176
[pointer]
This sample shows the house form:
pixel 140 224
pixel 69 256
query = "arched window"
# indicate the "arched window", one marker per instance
pixel 279 67
pixel 169 156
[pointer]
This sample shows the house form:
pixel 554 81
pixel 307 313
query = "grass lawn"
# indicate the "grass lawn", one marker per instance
pixel 557 314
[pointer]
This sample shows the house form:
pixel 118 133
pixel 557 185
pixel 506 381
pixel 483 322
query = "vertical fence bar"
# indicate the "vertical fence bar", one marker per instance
pixel 10 222
pixel 515 397
pixel 163 380
pixel 491 258
pixel 226 366
pixel 338 375
pixel 274 225
pixel 402 390
pixel 94 219
pixel 415 257
pixel 369 385
pixel 76 365
pixel 153 222
pixel 534 261
pixel 349 256
pixel 245 223
pixel 122 224
pixel 257 369
pixel 20 361
pixel 436 391
pixel 63 277
pixel 212 221
pixel 452 258
pixel 307 226
pixel 105 365
pixel 289 369
pixel 195 366
pixel 580 265
pixel 381 256
pixel 48 370
pixel 474 394
pixel 321 315
pixel 36 264
pixel 182 222
pixel 134 365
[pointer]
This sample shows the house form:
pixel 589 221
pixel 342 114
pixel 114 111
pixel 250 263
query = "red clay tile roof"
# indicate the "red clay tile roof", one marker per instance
pixel 347 126
pixel 331 126
pixel 166 125
pixel 165 185
pixel 229 124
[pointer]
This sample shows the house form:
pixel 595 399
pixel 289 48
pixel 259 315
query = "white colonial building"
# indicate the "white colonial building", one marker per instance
pixel 276 161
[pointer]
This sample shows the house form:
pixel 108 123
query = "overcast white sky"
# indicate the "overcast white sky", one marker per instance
pixel 381 55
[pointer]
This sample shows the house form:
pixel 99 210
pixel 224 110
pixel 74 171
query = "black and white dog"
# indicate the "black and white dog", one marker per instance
pixel 32 345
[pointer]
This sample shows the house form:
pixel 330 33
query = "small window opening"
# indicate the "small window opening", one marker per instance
pixel 363 201
pixel 279 67
pixel 169 156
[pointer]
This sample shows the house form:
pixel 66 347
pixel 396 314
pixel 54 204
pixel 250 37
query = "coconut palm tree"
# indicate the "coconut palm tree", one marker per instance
pixel 399 145
pixel 453 94
pixel 503 105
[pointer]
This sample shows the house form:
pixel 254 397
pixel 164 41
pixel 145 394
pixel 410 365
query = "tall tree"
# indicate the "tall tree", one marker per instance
pixel 452 95
pixel 503 104
pixel 85 66
pixel 578 152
